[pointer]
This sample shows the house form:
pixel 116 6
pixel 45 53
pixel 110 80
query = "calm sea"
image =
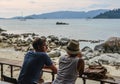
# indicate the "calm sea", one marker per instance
pixel 90 29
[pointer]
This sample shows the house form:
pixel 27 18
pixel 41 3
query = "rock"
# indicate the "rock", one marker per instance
pixel 52 45
pixel 99 48
pixel 110 59
pixel 86 49
pixel 64 41
pixel 30 47
pixel 29 40
pixel 43 37
pixel 88 56
pixel 52 38
pixel 4 34
pixel 4 39
pixel 1 30
pixel 54 53
pixel 112 45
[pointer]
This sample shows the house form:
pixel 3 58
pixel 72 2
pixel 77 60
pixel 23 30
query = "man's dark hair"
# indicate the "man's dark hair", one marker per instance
pixel 37 42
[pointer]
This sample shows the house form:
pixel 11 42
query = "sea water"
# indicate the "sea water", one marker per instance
pixel 85 29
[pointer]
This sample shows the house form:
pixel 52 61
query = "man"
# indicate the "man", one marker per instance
pixel 34 62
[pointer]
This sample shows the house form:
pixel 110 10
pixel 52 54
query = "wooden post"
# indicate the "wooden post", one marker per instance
pixel 101 82
pixel 53 75
pixel 84 80
pixel 1 71
pixel 11 70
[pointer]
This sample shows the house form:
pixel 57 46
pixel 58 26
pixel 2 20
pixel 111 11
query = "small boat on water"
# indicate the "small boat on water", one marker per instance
pixel 61 23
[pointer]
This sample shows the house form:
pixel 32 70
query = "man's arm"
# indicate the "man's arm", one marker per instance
pixel 80 67
pixel 52 67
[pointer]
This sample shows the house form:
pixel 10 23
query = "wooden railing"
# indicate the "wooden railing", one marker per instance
pixel 16 63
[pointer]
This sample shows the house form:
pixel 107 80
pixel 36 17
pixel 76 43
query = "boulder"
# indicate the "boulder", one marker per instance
pixel 87 49
pixel 112 45
pixel 64 41
pixel 54 53
pixel 52 38
pixel 99 48
pixel 1 30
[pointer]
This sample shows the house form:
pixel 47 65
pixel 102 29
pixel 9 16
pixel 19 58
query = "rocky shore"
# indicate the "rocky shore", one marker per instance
pixel 107 53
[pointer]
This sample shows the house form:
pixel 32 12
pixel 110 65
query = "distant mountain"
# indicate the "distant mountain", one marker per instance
pixel 17 17
pixel 1 18
pixel 65 15
pixel 111 14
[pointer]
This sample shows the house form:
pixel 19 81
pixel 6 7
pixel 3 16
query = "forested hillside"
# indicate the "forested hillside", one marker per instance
pixel 112 14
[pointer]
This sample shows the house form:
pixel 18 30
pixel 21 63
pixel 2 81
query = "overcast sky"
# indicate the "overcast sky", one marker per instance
pixel 10 8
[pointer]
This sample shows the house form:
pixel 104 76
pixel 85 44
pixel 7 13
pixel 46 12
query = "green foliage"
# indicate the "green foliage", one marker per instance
pixel 112 14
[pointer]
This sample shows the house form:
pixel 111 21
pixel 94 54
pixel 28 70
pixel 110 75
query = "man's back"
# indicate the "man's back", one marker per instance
pixel 32 66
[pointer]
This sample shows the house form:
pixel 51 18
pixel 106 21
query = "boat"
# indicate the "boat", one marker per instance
pixel 61 23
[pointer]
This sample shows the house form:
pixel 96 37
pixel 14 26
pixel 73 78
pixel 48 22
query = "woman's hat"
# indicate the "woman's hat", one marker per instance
pixel 73 47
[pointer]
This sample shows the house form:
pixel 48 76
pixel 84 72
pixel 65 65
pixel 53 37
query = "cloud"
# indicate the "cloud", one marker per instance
pixel 42 6
pixel 6 0
pixel 33 2
pixel 99 6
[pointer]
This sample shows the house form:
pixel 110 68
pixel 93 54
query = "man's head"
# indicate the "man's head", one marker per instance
pixel 39 44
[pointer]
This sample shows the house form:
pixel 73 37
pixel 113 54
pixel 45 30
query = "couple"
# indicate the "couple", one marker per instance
pixel 70 65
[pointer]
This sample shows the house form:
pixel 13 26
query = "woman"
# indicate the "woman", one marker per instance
pixel 70 65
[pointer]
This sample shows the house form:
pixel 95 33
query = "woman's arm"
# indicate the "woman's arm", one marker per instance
pixel 80 67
